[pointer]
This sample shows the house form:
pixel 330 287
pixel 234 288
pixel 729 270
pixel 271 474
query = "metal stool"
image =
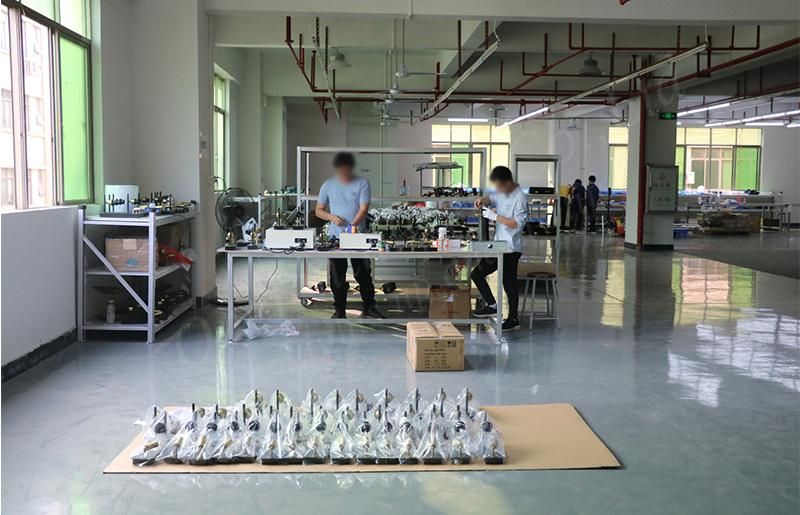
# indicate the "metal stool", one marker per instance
pixel 550 296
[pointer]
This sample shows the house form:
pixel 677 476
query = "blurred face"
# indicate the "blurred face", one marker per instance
pixel 344 173
pixel 503 186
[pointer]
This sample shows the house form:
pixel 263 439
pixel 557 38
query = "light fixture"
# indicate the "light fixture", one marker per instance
pixel 703 109
pixel 751 119
pixel 780 115
pixel 590 67
pixel 526 116
pixel 468 120
pixel 794 124
pixel 765 124
pixel 337 61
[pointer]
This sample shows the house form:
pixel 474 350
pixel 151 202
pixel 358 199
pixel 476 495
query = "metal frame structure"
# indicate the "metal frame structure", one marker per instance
pixel 496 322
pixel 151 223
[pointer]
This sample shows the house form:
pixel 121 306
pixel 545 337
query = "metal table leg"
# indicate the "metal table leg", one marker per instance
pixel 230 296
pixel 250 291
pixel 498 321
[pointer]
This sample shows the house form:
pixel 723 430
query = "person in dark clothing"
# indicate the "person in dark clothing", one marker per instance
pixel 576 205
pixel 343 202
pixel 592 200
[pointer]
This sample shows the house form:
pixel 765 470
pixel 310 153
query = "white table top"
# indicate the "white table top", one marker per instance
pixel 358 254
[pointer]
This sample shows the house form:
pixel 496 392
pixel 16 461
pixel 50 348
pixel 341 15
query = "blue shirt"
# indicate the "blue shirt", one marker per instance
pixel 515 206
pixel 344 199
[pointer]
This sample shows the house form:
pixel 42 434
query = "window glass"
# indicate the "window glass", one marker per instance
pixel 680 162
pixel 45 7
pixel 618 166
pixel 680 136
pixel 723 136
pixel 698 160
pixel 698 136
pixel 459 133
pixel 499 156
pixel 481 134
pixel 75 130
pixel 747 168
pixel 476 166
pixel 748 137
pixel 501 134
pixel 440 133
pixel 219 150
pixel 7 182
pixel 74 15
pixel 38 112
pixel 456 176
pixel 618 135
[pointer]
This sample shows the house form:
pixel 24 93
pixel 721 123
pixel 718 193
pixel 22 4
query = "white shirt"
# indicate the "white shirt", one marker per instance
pixel 514 206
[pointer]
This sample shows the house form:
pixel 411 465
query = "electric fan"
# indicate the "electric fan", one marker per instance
pixel 235 206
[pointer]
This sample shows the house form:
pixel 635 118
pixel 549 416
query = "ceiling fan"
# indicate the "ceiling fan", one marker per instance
pixel 403 71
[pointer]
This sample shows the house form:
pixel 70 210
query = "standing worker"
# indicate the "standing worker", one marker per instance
pixel 577 201
pixel 592 200
pixel 344 202
pixel 510 217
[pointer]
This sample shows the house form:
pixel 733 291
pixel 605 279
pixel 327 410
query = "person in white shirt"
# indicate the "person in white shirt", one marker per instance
pixel 510 215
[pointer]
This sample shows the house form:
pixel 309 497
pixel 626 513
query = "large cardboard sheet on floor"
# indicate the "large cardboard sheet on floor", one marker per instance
pixel 537 437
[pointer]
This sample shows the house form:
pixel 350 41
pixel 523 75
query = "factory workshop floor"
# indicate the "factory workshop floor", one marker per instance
pixel 688 369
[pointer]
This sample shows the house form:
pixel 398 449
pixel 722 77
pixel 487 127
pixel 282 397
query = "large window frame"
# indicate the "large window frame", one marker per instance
pixel 495 140
pixel 19 14
pixel 221 132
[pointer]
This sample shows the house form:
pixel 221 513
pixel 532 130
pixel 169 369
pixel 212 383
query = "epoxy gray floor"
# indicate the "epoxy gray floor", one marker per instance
pixel 687 368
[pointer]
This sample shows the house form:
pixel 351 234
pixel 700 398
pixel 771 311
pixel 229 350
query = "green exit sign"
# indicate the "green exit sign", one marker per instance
pixel 671 115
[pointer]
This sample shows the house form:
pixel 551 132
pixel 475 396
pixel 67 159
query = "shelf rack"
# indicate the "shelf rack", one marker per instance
pixel 149 223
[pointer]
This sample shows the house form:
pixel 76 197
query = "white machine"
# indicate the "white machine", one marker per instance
pixel 359 241
pixel 482 246
pixel 290 239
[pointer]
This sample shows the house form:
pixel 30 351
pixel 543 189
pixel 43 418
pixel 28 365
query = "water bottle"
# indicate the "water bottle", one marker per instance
pixel 111 311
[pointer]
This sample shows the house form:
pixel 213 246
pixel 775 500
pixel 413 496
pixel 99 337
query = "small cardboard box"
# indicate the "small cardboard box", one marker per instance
pixel 449 301
pixel 434 346
pixel 128 254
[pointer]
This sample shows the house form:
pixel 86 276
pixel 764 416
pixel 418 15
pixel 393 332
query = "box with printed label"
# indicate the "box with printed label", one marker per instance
pixel 434 346
pixel 128 254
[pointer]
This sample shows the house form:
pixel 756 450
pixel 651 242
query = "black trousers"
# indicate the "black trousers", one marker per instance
pixel 591 216
pixel 488 266
pixel 576 216
pixel 338 280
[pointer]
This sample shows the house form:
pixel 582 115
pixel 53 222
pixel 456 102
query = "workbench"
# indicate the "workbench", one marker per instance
pixel 301 256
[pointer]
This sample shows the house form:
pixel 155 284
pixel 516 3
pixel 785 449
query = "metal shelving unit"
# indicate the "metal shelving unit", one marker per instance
pixel 547 202
pixel 150 224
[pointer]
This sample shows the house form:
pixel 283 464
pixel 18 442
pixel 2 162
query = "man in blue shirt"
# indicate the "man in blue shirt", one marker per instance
pixel 510 216
pixel 344 202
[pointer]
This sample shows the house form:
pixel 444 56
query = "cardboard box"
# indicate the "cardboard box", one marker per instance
pixel 432 346
pixel 128 254
pixel 449 302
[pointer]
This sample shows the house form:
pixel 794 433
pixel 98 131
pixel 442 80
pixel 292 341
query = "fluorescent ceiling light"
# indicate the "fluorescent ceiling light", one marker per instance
pixel 468 120
pixel 750 119
pixel 780 115
pixel 526 116
pixel 765 124
pixel 794 124
pixel 703 109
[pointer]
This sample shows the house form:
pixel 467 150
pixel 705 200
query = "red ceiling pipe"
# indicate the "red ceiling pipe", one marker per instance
pixel 677 48
pixel 733 62
pixel 611 75
pixel 536 75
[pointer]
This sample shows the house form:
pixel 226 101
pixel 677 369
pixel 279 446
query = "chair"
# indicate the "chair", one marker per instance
pixel 550 296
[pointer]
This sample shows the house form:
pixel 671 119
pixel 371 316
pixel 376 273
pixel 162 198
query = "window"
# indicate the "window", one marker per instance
pixel 713 158
pixel 220 133
pixel 46 96
pixel 495 140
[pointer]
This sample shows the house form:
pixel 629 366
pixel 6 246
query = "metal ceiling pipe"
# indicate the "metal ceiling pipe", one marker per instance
pixel 676 48
pixel 727 64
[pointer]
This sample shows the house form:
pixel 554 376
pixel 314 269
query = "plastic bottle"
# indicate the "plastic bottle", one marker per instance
pixel 111 311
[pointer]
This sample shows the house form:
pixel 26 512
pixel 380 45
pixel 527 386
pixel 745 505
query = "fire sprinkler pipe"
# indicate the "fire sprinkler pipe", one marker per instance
pixel 676 48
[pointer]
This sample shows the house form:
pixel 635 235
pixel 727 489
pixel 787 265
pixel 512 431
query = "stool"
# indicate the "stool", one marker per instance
pixel 550 297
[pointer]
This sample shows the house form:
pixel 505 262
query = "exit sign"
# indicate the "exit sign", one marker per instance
pixel 671 115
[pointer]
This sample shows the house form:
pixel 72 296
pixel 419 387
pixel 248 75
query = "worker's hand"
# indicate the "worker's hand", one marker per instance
pixel 489 214
pixel 337 220
pixel 481 202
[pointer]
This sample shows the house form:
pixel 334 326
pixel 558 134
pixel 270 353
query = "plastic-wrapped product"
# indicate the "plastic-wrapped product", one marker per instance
pixel 459 445
pixel 229 445
pixel 341 450
pixel 385 443
pixel 430 450
pixel 254 401
pixel 490 442
pixel 252 438
pixel 317 439
pixel 292 447
pixel 203 449
pixel 156 437
pixel 406 441
pixel 363 447
pixel 178 448
pixel 357 401
pixel 270 451
pixel 414 403
pixel 464 401
pixel 332 401
pixel 311 399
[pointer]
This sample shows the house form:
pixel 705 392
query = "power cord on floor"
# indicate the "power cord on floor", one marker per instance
pixel 269 279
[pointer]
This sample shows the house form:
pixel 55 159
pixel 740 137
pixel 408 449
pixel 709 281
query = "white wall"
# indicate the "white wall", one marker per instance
pixel 780 162
pixel 38 278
